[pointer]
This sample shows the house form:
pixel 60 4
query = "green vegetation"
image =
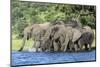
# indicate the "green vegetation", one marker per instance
pixel 17 43
pixel 27 13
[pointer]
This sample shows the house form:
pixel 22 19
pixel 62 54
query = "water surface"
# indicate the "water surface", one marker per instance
pixel 27 58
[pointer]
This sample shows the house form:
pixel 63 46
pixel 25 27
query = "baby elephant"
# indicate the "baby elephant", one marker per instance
pixel 86 38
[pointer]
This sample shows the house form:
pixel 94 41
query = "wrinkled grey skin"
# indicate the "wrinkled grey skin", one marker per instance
pixel 59 35
pixel 72 34
pixel 87 38
pixel 76 30
pixel 76 34
pixel 48 41
pixel 35 31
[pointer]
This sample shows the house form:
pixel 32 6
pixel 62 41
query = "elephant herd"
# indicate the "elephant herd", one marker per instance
pixel 59 36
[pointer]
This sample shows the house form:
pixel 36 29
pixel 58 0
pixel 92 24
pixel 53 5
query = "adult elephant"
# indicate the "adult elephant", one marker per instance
pixel 47 42
pixel 35 31
pixel 72 35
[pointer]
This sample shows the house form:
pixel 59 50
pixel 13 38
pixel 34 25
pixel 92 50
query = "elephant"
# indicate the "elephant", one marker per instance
pixel 86 39
pixel 59 33
pixel 72 34
pixel 35 31
pixel 60 36
pixel 66 35
pixel 47 42
pixel 76 34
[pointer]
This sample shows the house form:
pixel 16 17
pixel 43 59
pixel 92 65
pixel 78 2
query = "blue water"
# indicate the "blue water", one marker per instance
pixel 27 58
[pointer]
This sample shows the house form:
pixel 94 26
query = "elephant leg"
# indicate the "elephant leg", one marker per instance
pixel 66 45
pixel 62 47
pixel 86 46
pixel 65 48
pixel 37 45
pixel 56 48
pixel 80 45
pixel 34 44
pixel 70 46
pixel 76 47
pixel 34 47
pixel 89 47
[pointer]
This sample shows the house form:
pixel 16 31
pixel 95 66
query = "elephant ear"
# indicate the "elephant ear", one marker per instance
pixel 76 34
